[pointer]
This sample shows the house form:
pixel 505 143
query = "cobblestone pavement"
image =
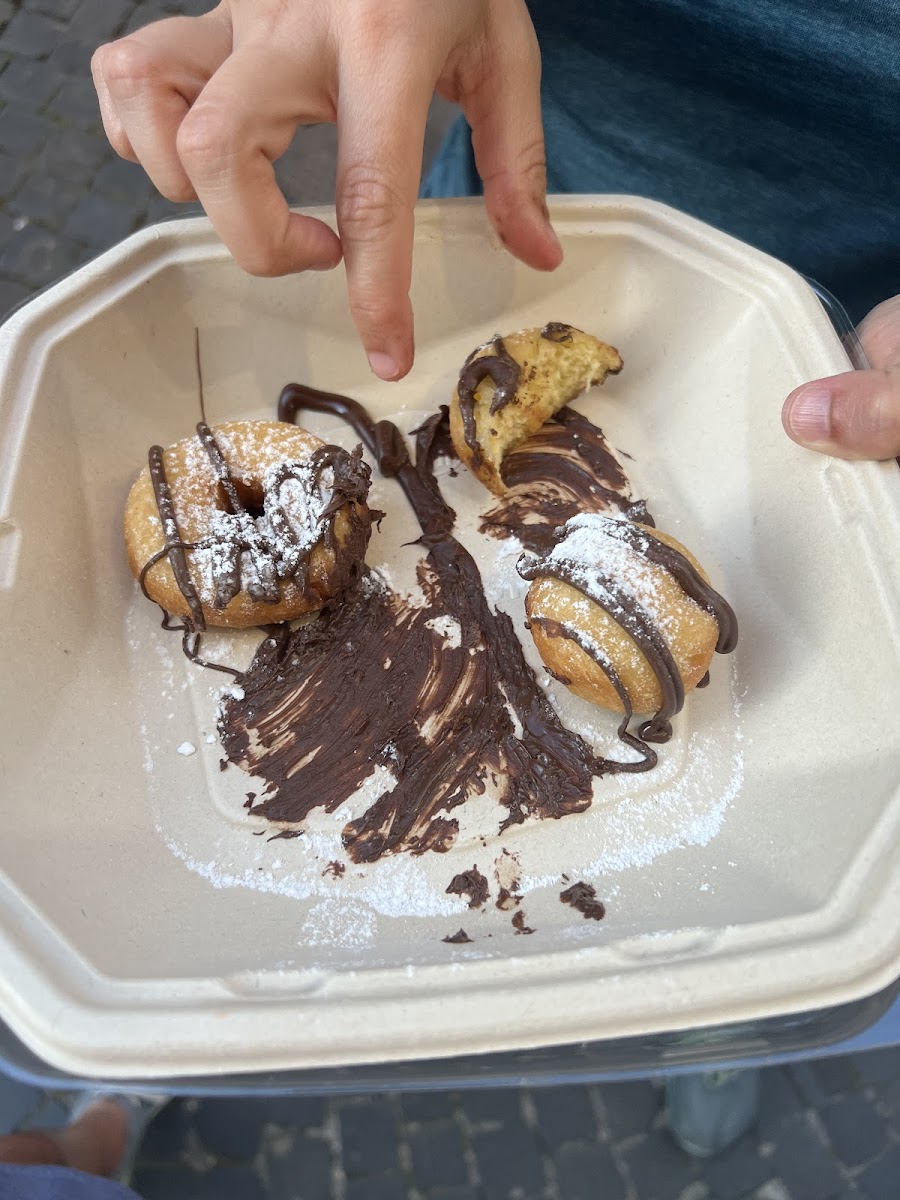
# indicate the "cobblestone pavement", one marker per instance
pixel 827 1131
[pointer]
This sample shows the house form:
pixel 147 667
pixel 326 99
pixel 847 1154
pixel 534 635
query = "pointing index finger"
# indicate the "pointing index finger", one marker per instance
pixel 381 132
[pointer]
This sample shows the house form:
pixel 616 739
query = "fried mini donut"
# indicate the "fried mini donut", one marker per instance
pixel 511 385
pixel 248 523
pixel 624 616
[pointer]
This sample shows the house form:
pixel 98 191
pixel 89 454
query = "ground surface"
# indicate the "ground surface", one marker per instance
pixel 827 1131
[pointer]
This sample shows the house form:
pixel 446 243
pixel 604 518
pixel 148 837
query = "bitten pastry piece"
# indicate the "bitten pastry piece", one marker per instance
pixel 511 385
pixel 248 523
pixel 624 616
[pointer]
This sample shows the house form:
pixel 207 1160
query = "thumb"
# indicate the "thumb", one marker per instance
pixel 857 414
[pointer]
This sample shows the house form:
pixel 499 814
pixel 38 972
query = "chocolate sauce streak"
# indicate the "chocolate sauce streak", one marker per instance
pixel 258 553
pixel 503 371
pixel 457 939
pixel 372 683
pixel 583 897
pixel 519 923
pixel 472 884
pixel 557 331
pixel 563 470
pixel 615 598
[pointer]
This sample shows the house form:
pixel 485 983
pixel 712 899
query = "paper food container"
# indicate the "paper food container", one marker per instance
pixel 145 930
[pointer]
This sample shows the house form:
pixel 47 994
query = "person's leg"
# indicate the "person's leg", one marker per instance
pixel 93 1143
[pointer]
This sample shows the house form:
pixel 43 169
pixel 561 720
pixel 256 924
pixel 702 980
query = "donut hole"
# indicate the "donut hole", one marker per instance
pixel 250 496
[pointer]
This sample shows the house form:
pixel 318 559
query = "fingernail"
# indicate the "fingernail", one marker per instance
pixel 384 366
pixel 807 415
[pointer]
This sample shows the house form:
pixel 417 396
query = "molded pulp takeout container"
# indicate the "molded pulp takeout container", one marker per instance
pixel 144 930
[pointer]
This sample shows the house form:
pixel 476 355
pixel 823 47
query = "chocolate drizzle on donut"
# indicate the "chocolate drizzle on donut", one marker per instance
pixel 257 553
pixel 557 331
pixel 614 597
pixel 503 371
pixel 372 684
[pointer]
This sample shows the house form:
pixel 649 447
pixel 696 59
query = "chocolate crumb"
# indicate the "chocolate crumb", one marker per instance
pixel 519 923
pixel 248 803
pixel 583 897
pixel 458 938
pixel 223 764
pixel 335 869
pixel 472 884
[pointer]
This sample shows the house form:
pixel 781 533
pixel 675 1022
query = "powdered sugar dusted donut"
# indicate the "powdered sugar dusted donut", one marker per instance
pixel 248 523
pixel 625 616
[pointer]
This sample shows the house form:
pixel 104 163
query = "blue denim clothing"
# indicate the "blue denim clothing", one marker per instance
pixel 58 1183
pixel 776 120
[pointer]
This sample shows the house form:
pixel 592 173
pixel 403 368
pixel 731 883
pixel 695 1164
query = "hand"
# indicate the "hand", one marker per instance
pixel 207 104
pixel 857 414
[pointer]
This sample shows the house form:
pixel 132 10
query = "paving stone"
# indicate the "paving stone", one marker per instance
pixel 161 209
pixel 508 1158
pixel 426 1106
pixel 165 1137
pixel 75 155
pixel 163 1183
pixel 304 1173
pixel 28 84
pixel 658 1168
pixel 99 222
pixel 124 181
pixel 437 1156
pixel 293 1112
pixel 737 1171
pixel 231 1126
pixel 881 1181
pixel 17 1100
pixel 43 197
pixel 50 1114
pixel 71 58
pixel 779 1102
pixel 11 172
pixel 76 100
pixel 378 1187
pixel 876 1066
pixel 587 1172
pixel 453 1193
pixel 369 1137
pixel 491 1104
pixel 808 1170
pixel 889 1097
pixel 6 11
pixel 101 20
pixel 564 1114
pixel 60 9
pixel 37 257
pixel 30 34
pixel 856 1131
pixel 21 132
pixel 11 296
pixel 630 1107
pixel 229 1183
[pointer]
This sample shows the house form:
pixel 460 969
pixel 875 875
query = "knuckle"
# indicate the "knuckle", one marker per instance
pixel 179 192
pixel 367 204
pixel 206 133
pixel 127 66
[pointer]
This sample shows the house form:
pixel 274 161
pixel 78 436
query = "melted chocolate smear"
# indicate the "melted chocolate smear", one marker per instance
pixel 458 938
pixel 320 709
pixel 472 884
pixel 563 470
pixel 335 869
pixel 583 897
pixel 557 331
pixel 519 923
